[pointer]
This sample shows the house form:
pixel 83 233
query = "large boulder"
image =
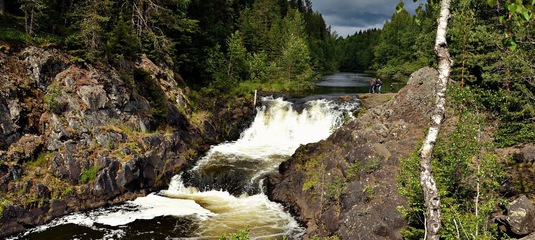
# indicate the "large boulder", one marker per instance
pixel 519 218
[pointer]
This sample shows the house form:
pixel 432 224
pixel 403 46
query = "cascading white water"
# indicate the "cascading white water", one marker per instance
pixel 276 132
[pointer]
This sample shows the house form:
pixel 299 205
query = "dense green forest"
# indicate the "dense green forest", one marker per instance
pixel 228 46
pixel 491 45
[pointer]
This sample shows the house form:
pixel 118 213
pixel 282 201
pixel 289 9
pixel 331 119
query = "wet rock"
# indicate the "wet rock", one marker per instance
pixel 57 208
pixel 129 176
pixel 8 122
pixel 10 212
pixel 86 116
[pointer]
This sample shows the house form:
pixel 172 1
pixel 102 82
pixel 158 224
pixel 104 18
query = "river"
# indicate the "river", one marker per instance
pixel 224 191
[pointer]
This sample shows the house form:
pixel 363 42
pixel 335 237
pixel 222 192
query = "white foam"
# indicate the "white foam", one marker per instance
pixel 256 211
pixel 280 130
pixel 153 206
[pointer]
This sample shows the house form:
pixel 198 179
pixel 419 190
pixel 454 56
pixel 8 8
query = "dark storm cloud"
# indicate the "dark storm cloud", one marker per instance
pixel 349 16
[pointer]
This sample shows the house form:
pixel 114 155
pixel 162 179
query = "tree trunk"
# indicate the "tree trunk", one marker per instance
pixel 431 198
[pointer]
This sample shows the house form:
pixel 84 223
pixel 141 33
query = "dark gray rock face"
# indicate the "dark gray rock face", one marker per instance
pixel 345 186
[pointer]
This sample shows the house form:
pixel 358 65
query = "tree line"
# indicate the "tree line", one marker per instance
pixel 223 44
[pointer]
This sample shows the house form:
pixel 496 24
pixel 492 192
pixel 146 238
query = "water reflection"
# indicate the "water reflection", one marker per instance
pixel 351 83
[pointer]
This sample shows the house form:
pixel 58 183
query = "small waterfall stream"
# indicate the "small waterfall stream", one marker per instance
pixel 223 192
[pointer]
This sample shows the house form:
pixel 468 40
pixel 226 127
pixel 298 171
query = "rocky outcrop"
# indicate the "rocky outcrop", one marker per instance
pixel 74 136
pixel 345 186
pixel 519 218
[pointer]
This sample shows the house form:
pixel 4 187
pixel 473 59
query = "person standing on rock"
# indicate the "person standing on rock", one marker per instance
pixel 372 86
pixel 378 85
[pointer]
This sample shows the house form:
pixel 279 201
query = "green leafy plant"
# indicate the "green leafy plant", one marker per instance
pixel 89 174
pixel 52 101
pixel 241 235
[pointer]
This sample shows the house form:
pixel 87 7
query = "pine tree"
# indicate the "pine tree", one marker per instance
pixel 92 17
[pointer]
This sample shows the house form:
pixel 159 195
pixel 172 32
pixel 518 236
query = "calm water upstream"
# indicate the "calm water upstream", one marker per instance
pixel 223 193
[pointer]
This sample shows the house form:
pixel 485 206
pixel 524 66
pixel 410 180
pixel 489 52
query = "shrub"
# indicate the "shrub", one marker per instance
pixel 88 174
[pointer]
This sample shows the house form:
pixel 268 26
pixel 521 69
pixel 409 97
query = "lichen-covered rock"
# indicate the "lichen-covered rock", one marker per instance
pixel 519 219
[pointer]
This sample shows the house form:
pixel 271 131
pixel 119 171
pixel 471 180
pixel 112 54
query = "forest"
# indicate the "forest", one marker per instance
pixel 233 47
pixel 230 47
pixel 491 45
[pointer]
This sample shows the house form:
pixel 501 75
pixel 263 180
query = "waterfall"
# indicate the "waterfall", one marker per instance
pixel 223 193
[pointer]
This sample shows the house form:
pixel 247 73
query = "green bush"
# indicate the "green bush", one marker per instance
pixel 467 172
pixel 52 99
pixel 241 235
pixel 89 174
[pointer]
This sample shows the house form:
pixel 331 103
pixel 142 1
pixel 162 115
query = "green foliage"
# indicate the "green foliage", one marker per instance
pixel 42 159
pixel 353 170
pixel 52 99
pixel 11 34
pixel 314 171
pixel 123 44
pixel 269 53
pixel 515 110
pixel 467 172
pixel 409 187
pixel 3 204
pixel 91 18
pixel 372 164
pixel 89 174
pixel 355 53
pixel 241 235
pixel 336 188
pixel 396 47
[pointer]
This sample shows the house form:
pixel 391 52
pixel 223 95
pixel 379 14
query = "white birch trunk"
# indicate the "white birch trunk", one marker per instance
pixel 431 198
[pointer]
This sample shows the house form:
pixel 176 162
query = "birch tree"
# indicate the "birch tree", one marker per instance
pixel 431 197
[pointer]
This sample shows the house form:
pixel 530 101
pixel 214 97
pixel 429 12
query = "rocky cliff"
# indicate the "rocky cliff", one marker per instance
pixel 79 136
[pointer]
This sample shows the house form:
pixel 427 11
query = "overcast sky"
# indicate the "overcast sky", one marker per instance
pixel 349 16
